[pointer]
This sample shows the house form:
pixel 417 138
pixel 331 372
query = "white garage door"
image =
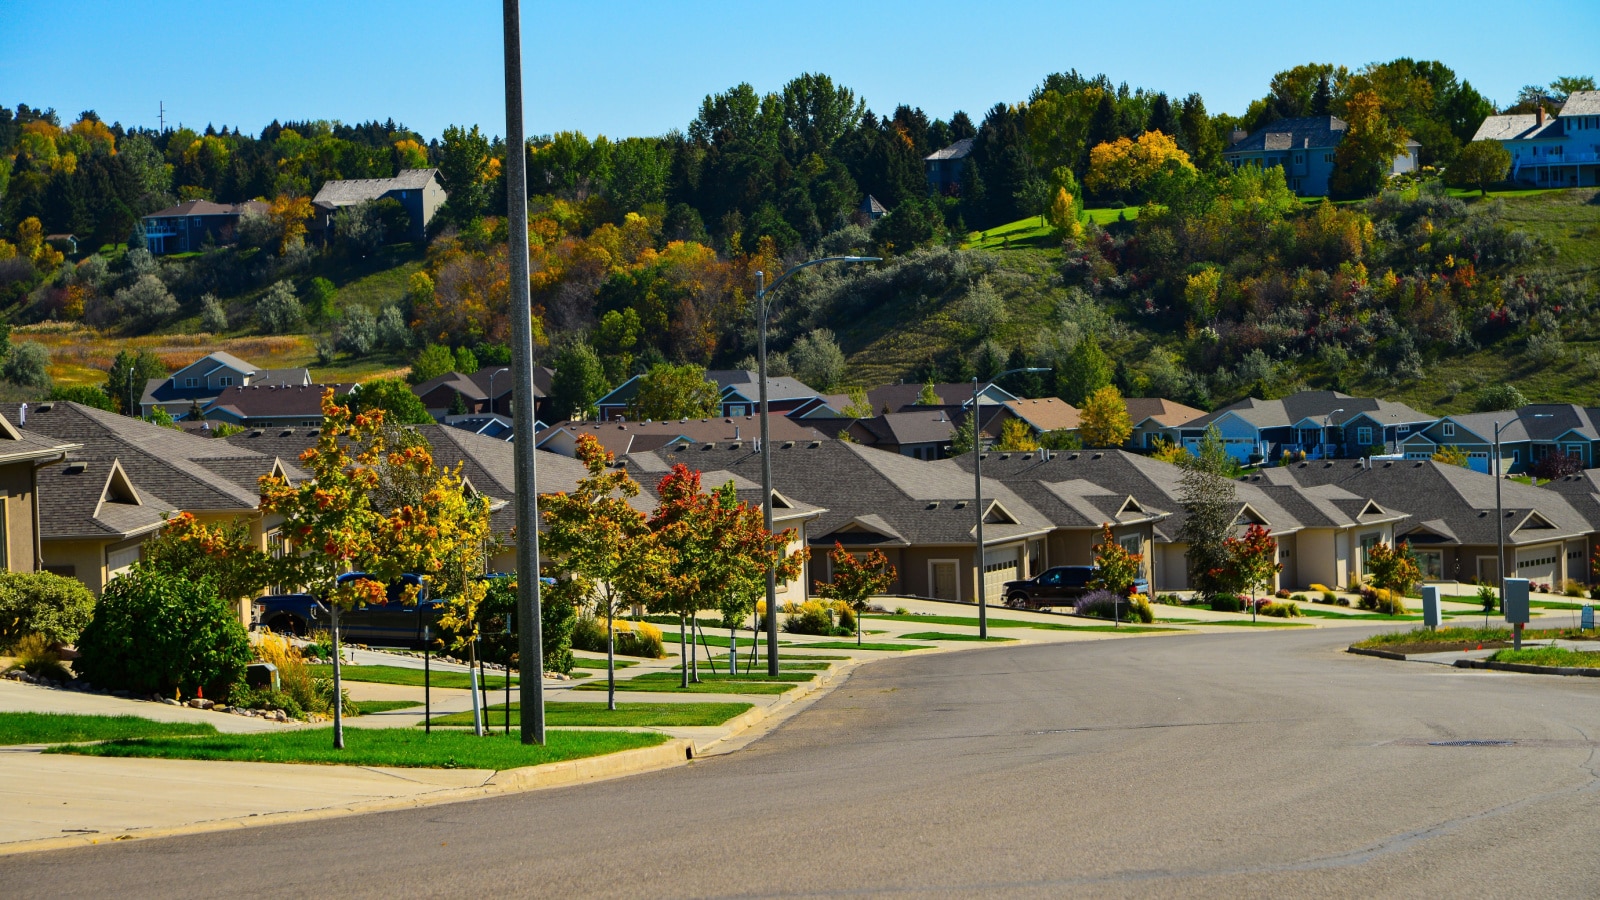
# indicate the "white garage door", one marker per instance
pixel 118 562
pixel 999 567
pixel 1539 565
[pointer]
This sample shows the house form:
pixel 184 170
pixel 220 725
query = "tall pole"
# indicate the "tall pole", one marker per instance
pixel 766 470
pixel 530 643
pixel 1499 522
pixel 977 493
pixel 491 387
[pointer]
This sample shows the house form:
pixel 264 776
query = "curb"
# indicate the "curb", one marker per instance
pixel 1526 669
pixel 674 752
pixel 1383 654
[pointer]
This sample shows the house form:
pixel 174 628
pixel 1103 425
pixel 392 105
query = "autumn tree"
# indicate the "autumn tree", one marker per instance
pixel 1393 569
pixel 597 536
pixel 928 396
pixel 289 215
pixel 675 392
pixel 856 580
pixel 858 407
pixel 1016 437
pixel 1364 156
pixel 1210 504
pixel 1124 166
pixel 1451 455
pixel 1480 164
pixel 1104 421
pixel 222 552
pixel 1252 562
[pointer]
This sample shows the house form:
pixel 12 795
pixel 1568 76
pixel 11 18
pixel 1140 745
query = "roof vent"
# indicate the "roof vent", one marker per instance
pixel 1005 456
pixel 255 432
pixel 44 407
pixel 286 432
pixel 736 445
pixel 1074 456
pixel 961 504
pixel 710 446
pixel 680 448
pixel 76 468
pixel 788 445
pixel 1097 456
pixel 933 505
pixel 814 444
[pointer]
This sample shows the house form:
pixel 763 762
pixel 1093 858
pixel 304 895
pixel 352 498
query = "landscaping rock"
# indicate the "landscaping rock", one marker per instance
pixel 170 702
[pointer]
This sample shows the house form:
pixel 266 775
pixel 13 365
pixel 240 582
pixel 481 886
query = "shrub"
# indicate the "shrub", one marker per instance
pixel 213 317
pixel 36 656
pixel 41 603
pixel 1321 589
pixel 589 633
pixel 157 633
pixel 1488 599
pixel 1382 601
pixel 638 639
pixel 1330 598
pixel 1281 610
pixel 1573 588
pixel 279 312
pixel 847 619
pixel 28 365
pixel 810 617
pixel 901 611
pixel 1109 605
pixel 1226 603
pixel 247 698
pixel 1139 605
pixel 1281 593
pixel 1299 598
pixel 294 677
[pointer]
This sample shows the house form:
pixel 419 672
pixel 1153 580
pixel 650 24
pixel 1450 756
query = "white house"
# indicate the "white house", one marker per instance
pixel 1562 150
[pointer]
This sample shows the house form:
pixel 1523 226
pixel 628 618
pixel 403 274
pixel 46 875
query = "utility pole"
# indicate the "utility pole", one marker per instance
pixel 162 115
pixel 530 643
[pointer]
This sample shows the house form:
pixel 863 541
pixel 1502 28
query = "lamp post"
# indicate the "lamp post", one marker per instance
pixel 977 485
pixel 1326 420
pixel 1500 517
pixel 491 386
pixel 763 314
pixel 530 642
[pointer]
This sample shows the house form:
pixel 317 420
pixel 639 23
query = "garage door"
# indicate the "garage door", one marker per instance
pixel 118 562
pixel 999 567
pixel 1539 565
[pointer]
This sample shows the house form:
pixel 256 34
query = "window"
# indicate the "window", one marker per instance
pixel 197 221
pixel 225 381
pixel 1516 456
pixel 191 382
pixel 1364 435
pixel 1449 429
pixel 1368 541
pixel 1405 429
pixel 1431 562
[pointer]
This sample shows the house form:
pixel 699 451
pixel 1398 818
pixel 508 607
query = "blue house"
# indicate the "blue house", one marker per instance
pixel 1556 151
pixel 1527 435
pixel 1304 149
pixel 1318 423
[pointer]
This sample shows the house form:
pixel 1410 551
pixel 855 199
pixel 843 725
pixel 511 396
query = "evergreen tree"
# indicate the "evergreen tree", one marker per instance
pixel 1322 99
pixel 1162 117
pixel 1085 370
pixel 1198 135
pixel 579 381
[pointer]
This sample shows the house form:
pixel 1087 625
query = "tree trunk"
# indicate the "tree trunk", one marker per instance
pixel 694 652
pixel 338 707
pixel 472 675
pixel 611 656
pixel 683 654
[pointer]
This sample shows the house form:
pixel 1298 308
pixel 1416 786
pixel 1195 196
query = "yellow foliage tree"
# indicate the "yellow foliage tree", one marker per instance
pixel 1201 293
pixel 1124 165
pixel 1168 452
pixel 1016 437
pixel 410 154
pixel 289 216
pixel 1104 421
pixel 1066 213
pixel 1451 455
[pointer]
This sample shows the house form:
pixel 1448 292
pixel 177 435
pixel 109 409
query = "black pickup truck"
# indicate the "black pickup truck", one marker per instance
pixel 389 624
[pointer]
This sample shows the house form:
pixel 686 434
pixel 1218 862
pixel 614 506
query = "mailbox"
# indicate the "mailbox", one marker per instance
pixel 1431 616
pixel 1515 604
pixel 262 675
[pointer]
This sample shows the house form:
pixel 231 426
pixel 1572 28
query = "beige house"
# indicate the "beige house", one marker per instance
pixel 26 457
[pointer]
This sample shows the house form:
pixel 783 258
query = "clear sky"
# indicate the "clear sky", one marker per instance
pixel 629 68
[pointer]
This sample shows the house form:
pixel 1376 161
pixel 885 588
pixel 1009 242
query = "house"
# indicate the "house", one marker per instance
pixel 124 476
pixel 203 380
pixel 920 514
pixel 953 396
pixel 1318 536
pixel 1304 149
pixel 917 433
pixel 417 190
pixel 66 243
pixel 192 224
pixel 26 458
pixel 486 391
pixel 1582 493
pixel 872 209
pixel 1452 529
pixel 1318 423
pixel 622 438
pixel 741 393
pixel 1551 151
pixel 1157 421
pixel 273 405
pixel 1527 435
pixel 943 167
pixel 1043 415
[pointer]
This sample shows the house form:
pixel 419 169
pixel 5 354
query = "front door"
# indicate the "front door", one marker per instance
pixel 1488 572
pixel 945 576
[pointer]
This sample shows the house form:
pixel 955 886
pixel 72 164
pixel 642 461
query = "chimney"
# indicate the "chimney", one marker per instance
pixel 22 415
pixel 1539 116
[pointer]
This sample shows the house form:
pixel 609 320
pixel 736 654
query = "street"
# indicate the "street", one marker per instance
pixel 1250 764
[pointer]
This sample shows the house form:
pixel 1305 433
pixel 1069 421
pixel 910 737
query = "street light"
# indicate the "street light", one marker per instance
pixel 977 480
pixel 1326 444
pixel 491 387
pixel 1500 519
pixel 763 313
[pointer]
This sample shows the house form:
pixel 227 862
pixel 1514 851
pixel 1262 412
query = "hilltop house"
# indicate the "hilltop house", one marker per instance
pixel 203 380
pixel 417 190
pixel 192 224
pixel 943 167
pixel 1551 151
pixel 1304 149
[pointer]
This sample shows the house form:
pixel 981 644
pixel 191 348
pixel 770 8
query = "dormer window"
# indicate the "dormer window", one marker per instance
pixel 1449 429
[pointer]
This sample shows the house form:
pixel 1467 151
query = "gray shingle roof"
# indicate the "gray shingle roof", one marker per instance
pixel 359 190
pixel 1310 132
pixel 254 401
pixel 959 150
pixel 207 208
pixel 74 503
pixel 747 381
pixel 1517 127
pixel 1582 103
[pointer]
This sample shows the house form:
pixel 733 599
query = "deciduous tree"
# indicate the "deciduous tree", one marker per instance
pixel 1252 561
pixel 856 580
pixel 1104 421
pixel 1210 504
pixel 675 392
pixel 1480 164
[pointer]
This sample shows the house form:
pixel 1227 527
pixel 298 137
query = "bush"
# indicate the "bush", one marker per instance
pixel 279 312
pixel 158 633
pixel 1226 603
pixel 1572 588
pixel 213 317
pixel 294 677
pixel 1300 598
pixel 1108 605
pixel 1281 593
pixel 1330 598
pixel 1321 589
pixel 638 639
pixel 589 633
pixel 247 698
pixel 1281 610
pixel 36 656
pixel 28 365
pixel 810 617
pixel 41 603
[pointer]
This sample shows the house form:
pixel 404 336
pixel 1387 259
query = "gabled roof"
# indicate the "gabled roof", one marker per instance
pixel 1582 492
pixel 746 383
pixel 898 397
pixel 359 190
pixel 1581 103
pixel 1534 422
pixel 1517 127
pixel 1335 407
pixel 207 208
pixel 1165 412
pixel 959 150
pixel 1310 132
pixel 1046 413
pixel 94 498
pixel 275 401
pixel 929 426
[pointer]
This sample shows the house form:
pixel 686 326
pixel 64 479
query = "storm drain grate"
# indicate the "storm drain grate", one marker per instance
pixel 1471 743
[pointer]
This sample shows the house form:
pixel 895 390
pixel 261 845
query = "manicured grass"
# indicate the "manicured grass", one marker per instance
pixel 1027 232
pixel 410 677
pixel 1328 614
pixel 706 674
pixel 55 728
pixel 1263 622
pixel 706 686
pixel 948 636
pixel 401 747
pixel 784 665
pixel 1549 656
pixel 851 645
pixel 368 707
pixel 972 622
pixel 589 662
pixel 636 715
pixel 1463 634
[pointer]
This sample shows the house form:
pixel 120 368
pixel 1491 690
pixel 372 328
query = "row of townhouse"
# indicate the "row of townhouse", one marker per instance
pixel 1320 424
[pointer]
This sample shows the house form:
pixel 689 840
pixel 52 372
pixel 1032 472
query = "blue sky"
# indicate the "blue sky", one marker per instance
pixel 636 69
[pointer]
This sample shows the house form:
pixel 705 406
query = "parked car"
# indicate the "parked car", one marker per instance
pixel 392 623
pixel 1057 586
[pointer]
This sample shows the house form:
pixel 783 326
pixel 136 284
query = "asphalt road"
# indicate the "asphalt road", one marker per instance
pixel 1263 764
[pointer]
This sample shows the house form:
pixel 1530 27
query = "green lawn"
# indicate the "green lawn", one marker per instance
pixel 707 675
pixel 635 715
pixel 411 677
pixel 1365 616
pixel 948 636
pixel 55 728
pixel 1263 622
pixel 1549 656
pixel 1030 233
pixel 784 665
pixel 1466 634
pixel 369 707
pixel 706 686
pixel 402 747
pixel 851 645
pixel 589 662
pixel 972 622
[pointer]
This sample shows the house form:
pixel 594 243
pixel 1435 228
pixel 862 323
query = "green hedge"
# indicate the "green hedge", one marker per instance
pixel 157 633
pixel 41 603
